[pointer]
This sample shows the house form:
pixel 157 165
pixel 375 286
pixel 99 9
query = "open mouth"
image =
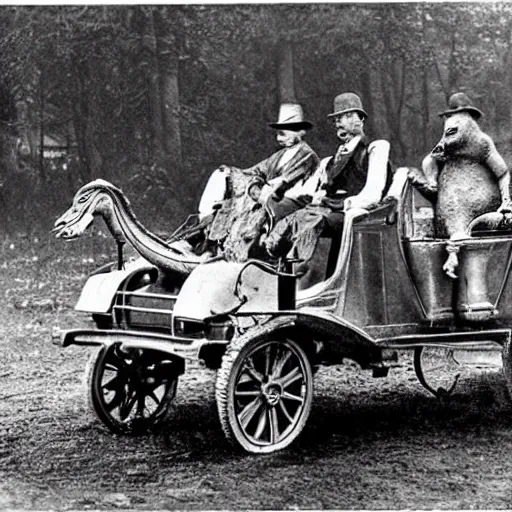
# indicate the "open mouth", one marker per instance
pixel 74 229
pixel 342 134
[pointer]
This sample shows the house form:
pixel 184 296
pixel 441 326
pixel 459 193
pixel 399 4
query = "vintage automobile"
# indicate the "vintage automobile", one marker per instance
pixel 383 291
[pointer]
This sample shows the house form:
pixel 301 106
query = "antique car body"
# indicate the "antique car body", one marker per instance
pixel 383 290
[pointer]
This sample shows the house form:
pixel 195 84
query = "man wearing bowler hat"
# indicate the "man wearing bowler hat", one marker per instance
pixel 355 177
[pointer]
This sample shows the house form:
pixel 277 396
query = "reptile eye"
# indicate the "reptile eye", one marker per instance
pixel 451 131
pixel 83 199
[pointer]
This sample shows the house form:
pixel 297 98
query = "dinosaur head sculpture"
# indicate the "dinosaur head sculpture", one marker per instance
pixel 90 201
pixel 101 198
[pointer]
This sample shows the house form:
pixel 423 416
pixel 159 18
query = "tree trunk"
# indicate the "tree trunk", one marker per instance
pixel 393 92
pixel 172 111
pixel 90 158
pixel 165 82
pixel 425 86
pixel 26 143
pixel 366 90
pixel 41 129
pixel 453 72
pixel 425 109
pixel 285 78
pixel 155 93
pixel 508 74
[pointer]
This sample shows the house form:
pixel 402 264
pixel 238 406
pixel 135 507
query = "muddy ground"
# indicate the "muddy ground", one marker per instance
pixel 369 443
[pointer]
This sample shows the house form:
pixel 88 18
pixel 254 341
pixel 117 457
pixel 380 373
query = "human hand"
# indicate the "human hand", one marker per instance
pixel 265 192
pixel 349 203
pixel 506 206
pixel 317 197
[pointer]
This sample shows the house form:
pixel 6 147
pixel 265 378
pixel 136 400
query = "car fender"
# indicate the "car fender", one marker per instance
pixel 336 335
pixel 99 291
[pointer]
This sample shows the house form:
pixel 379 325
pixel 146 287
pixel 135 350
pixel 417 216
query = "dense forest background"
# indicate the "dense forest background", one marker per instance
pixel 153 98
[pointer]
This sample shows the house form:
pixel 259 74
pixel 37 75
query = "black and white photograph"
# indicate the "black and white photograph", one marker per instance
pixel 255 256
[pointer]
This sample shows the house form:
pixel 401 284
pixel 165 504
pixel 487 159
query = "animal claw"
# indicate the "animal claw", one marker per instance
pixel 450 265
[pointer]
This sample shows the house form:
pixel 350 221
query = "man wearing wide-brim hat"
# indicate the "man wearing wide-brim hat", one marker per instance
pixel 275 175
pixel 284 172
pixel 274 183
pixel 356 177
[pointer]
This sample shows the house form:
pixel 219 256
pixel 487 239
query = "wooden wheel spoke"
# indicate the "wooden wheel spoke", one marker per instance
pixel 291 377
pixel 118 399
pixel 112 367
pixel 268 359
pixel 262 423
pixel 141 404
pixel 240 394
pixel 251 372
pixel 249 411
pixel 151 394
pixel 289 396
pixel 274 427
pixel 127 406
pixel 279 364
pixel 112 384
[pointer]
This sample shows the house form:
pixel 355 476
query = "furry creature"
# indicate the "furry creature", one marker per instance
pixel 469 178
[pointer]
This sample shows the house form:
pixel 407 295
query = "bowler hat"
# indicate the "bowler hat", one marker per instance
pixel 459 102
pixel 347 102
pixel 291 117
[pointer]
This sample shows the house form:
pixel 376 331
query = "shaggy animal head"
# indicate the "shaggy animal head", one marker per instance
pixel 459 130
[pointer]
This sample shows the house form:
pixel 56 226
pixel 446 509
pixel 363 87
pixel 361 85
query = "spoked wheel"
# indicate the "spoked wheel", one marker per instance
pixel 437 370
pixel 131 390
pixel 264 392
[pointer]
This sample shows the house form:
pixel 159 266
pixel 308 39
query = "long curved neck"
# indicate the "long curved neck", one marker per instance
pixel 105 210
pixel 121 220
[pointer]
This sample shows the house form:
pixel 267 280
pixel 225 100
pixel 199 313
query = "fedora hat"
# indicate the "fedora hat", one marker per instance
pixel 291 117
pixel 459 102
pixel 347 102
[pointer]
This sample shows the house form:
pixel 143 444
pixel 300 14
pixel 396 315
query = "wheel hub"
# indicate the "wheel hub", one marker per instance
pixel 272 393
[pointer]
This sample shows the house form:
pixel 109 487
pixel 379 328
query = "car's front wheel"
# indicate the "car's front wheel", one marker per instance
pixel 264 392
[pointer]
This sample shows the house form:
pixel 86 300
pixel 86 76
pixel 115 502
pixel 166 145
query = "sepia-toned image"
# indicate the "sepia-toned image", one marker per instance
pixel 256 256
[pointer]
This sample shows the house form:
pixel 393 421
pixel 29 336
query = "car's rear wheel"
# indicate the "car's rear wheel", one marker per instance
pixel 131 390
pixel 264 392
pixel 437 369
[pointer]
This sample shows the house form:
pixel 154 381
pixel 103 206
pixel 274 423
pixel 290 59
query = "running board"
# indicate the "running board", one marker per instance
pixel 481 340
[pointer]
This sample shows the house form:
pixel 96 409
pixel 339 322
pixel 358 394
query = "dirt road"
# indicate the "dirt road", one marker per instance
pixel 369 443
